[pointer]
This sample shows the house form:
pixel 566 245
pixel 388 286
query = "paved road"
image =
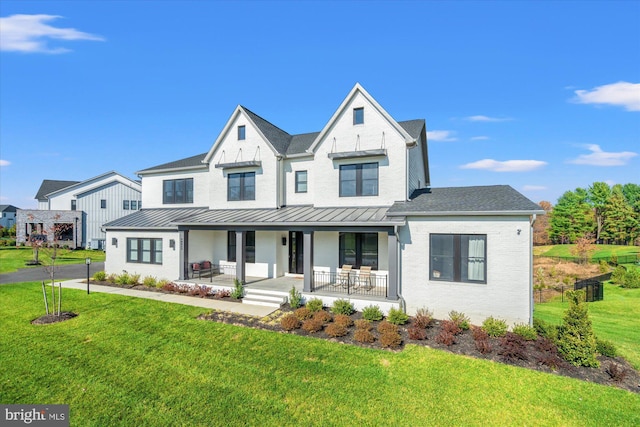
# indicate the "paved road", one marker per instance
pixel 63 272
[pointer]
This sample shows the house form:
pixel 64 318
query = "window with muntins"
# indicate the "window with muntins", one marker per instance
pixel 242 133
pixel 73 205
pixel 358 249
pixel 301 181
pixel 250 246
pixel 177 191
pixel 358 116
pixel 241 186
pixel 103 203
pixel 359 180
pixel 134 205
pixel 458 257
pixel 125 205
pixel 144 251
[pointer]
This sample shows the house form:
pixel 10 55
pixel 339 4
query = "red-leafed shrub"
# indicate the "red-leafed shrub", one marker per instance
pixel 385 326
pixel 513 347
pixel 451 327
pixel 222 293
pixel 363 335
pixel 312 325
pixel 335 330
pixel 323 316
pixel 342 319
pixel 290 322
pixel 364 325
pixel 616 372
pixel 446 338
pixel 483 346
pixel 417 333
pixel 390 339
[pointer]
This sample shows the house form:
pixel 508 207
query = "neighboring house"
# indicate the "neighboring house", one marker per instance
pixel 262 203
pixel 76 210
pixel 8 218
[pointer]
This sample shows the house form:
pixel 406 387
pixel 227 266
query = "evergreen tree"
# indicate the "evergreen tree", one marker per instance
pixel 576 340
pixel 572 217
pixel 599 193
pixel 620 224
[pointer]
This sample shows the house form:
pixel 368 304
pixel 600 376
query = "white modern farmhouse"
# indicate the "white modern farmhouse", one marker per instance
pixel 346 212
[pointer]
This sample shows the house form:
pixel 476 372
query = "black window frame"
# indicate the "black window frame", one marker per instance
pixel 74 204
pixel 360 241
pixel 125 205
pixel 170 191
pixel 250 246
pixel 358 179
pixel 103 203
pixel 134 205
pixel 299 181
pixel 457 262
pixel 243 193
pixel 242 133
pixel 358 116
pixel 155 255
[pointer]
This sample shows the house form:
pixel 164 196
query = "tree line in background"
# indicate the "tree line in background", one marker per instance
pixel 600 213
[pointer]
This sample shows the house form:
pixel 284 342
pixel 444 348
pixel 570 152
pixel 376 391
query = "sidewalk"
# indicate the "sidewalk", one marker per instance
pixel 212 304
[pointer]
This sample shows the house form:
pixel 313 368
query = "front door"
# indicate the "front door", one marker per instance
pixel 296 255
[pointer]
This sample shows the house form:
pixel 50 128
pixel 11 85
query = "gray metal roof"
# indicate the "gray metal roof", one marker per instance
pixel 153 218
pixel 50 185
pixel 479 200
pixel 188 162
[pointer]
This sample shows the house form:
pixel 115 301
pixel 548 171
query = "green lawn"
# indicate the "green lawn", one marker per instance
pixel 616 318
pixel 564 251
pixel 12 258
pixel 127 361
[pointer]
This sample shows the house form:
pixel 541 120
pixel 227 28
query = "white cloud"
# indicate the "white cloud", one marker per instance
pixel 602 158
pixel 506 166
pixel 533 188
pixel 479 138
pixel 30 34
pixel 622 93
pixel 4 162
pixel 486 119
pixel 441 135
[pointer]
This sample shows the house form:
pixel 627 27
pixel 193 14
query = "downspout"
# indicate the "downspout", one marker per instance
pixel 406 173
pixel 279 182
pixel 532 221
pixel 403 304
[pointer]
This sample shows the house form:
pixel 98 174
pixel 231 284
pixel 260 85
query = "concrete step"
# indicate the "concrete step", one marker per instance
pixel 264 297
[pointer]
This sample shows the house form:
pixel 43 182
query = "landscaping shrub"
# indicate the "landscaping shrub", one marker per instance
pixel 397 316
pixel 616 372
pixel 417 333
pixel 323 316
pixel 303 313
pixel 238 290
pixel 372 312
pixel 222 293
pixel 199 291
pixel 446 338
pixel 149 281
pixel 335 330
pixel 134 279
pixel 606 348
pixel 342 319
pixel 363 335
pixel 512 348
pixel 460 319
pixel 342 306
pixel 314 304
pixel 161 283
pixel 545 329
pixel 576 341
pixel 295 298
pixel 385 326
pixel 312 325
pixel 363 324
pixel 483 346
pixel 170 287
pixel 603 266
pixel 390 339
pixel 450 327
pixel 494 327
pixel 479 334
pixel 122 279
pixel 423 318
pixel 290 322
pixel 632 279
pixel 525 331
pixel 618 274
pixel 100 276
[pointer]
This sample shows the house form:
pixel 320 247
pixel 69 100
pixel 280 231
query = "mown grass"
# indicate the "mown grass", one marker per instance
pixel 12 258
pixel 616 318
pixel 126 361
pixel 564 251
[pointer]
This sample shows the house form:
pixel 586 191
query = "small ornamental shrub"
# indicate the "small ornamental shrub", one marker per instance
pixel 170 287
pixel 479 334
pixel 238 290
pixel 323 316
pixel 545 329
pixel 201 291
pixel 460 319
pixel 397 316
pixel 552 360
pixel 483 346
pixel 222 293
pixel 372 312
pixel 303 313
pixel 513 348
pixel 450 327
pixel 446 338
pixel 385 326
pixel 494 327
pixel 618 274
pixel 314 304
pixel 290 322
pixel 342 319
pixel 149 281
pixel 335 330
pixel 111 278
pixel 363 335
pixel 525 331
pixel 576 341
pixel 312 325
pixel 417 333
pixel 606 348
pixel 616 372
pixel 423 318
pixel 632 279
pixel 342 306
pixel 603 266
pixel 134 279
pixel 100 276
pixel 295 298
pixel 363 324
pixel 390 340
pixel 122 279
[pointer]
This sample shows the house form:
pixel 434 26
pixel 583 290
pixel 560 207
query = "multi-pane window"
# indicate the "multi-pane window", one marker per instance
pixel 103 203
pixel 177 191
pixel 134 205
pixel 358 116
pixel 144 251
pixel 301 181
pixel 359 180
pixel 242 133
pixel 250 246
pixel 358 249
pixel 125 205
pixel 241 186
pixel 458 257
pixel 74 205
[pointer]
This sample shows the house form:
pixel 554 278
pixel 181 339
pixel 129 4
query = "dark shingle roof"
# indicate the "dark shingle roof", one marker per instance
pixel 276 136
pixel 49 186
pixel 480 199
pixel 178 164
pixel 153 218
pixel 413 127
pixel 7 208
pixel 301 143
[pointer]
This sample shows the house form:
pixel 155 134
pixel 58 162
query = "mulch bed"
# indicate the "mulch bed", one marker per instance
pixel 52 318
pixel 199 292
pixel 533 355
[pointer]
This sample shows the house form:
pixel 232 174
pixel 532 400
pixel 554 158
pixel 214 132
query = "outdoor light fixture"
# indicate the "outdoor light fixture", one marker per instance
pixel 284 241
pixel 172 243
pixel 114 241
pixel 87 261
pixel 519 230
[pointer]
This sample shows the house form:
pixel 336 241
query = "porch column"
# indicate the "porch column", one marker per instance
pixel 241 250
pixel 307 244
pixel 392 280
pixel 184 254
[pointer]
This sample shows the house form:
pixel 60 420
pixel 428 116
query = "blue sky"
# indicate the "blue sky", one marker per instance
pixel 543 96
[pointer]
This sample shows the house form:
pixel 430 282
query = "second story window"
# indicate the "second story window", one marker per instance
pixel 359 180
pixel 177 191
pixel 125 205
pixel 301 181
pixel 103 203
pixel 241 133
pixel 134 205
pixel 73 205
pixel 241 186
pixel 358 116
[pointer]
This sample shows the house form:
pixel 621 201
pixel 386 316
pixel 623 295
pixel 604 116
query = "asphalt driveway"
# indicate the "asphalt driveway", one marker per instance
pixel 63 272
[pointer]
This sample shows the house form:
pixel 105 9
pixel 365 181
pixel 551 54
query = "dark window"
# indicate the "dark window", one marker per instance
pixel 359 249
pixel 73 205
pixel 250 246
pixel 358 116
pixel 301 181
pixel 241 133
pixel 359 180
pixel 103 203
pixel 241 186
pixel 144 251
pixel 177 191
pixel 125 205
pixel 134 205
pixel 458 258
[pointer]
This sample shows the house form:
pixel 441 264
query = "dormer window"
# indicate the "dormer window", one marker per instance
pixel 241 133
pixel 358 116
